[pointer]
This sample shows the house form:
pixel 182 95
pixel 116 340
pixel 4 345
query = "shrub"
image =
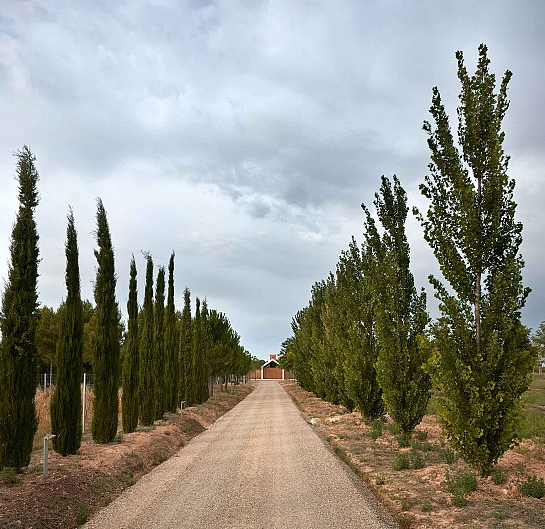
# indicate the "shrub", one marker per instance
pixel 8 476
pixel 380 480
pixel 533 487
pixel 403 440
pixel 82 514
pixel 425 506
pixel 159 457
pixel 498 477
pixel 422 446
pixel 401 462
pixel 376 429
pixel 448 455
pixel 128 478
pixel 460 484
pixel 421 435
pixel 394 428
pixel 417 461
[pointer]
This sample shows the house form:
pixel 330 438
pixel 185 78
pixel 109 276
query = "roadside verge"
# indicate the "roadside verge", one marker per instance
pixel 81 484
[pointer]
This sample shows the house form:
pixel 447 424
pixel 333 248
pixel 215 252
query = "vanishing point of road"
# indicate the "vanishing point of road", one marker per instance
pixel 259 466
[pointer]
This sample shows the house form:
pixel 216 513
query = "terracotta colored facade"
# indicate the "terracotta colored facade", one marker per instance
pixel 271 371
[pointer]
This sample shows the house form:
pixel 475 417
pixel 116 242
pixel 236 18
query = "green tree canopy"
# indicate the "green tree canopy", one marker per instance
pixel 18 323
pixel 483 358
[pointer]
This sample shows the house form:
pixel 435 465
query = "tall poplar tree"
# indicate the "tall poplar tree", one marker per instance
pixel 106 346
pixel 159 345
pixel 147 368
pixel 171 343
pixel 66 400
pixel 356 291
pixel 186 332
pixel 483 357
pixel 400 311
pixel 18 323
pixel 130 400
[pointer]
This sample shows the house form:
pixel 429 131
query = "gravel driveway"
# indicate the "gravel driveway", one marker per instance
pixel 259 466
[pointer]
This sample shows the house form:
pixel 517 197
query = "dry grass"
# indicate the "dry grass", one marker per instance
pixel 43 402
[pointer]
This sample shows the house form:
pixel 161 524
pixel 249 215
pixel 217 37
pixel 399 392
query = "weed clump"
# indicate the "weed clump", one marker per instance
pixel 498 477
pixel 417 461
pixel 82 514
pixel 8 476
pixel 448 455
pixel 401 462
pixel 159 457
pixel 376 429
pixel 532 487
pixel 460 484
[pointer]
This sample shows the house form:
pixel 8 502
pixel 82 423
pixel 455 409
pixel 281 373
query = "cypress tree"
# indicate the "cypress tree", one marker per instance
pixel 482 359
pixel 147 368
pixel 130 401
pixel 185 349
pixel 171 343
pixel 106 346
pixel 400 311
pixel 18 322
pixel 159 345
pixel 66 401
pixel 197 367
pixel 205 353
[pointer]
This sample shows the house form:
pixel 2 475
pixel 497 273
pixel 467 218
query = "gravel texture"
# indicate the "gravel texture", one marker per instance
pixel 259 466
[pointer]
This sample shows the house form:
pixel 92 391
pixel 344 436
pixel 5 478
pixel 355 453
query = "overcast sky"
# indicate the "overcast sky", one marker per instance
pixel 244 135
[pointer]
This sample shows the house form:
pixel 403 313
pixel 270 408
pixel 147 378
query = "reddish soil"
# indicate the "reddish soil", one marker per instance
pixel 419 498
pixel 80 484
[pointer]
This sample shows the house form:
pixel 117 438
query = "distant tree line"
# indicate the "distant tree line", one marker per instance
pixel 163 358
pixel 365 340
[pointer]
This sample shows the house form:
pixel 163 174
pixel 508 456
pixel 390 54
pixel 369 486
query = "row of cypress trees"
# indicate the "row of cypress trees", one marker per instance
pixel 167 358
pixel 364 338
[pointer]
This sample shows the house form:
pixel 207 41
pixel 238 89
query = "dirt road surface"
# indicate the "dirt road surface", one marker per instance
pixel 259 466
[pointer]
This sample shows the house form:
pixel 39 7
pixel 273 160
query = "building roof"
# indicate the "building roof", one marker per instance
pixel 268 362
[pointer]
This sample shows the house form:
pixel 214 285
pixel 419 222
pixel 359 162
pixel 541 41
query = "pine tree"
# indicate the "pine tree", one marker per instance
pixel 400 312
pixel 171 343
pixel 106 347
pixel 130 400
pixel 482 357
pixel 186 333
pixel 159 345
pixel 18 323
pixel 147 368
pixel 66 401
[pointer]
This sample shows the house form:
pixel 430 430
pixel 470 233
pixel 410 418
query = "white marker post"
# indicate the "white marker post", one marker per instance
pixel 46 452
pixel 182 407
pixel 84 402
